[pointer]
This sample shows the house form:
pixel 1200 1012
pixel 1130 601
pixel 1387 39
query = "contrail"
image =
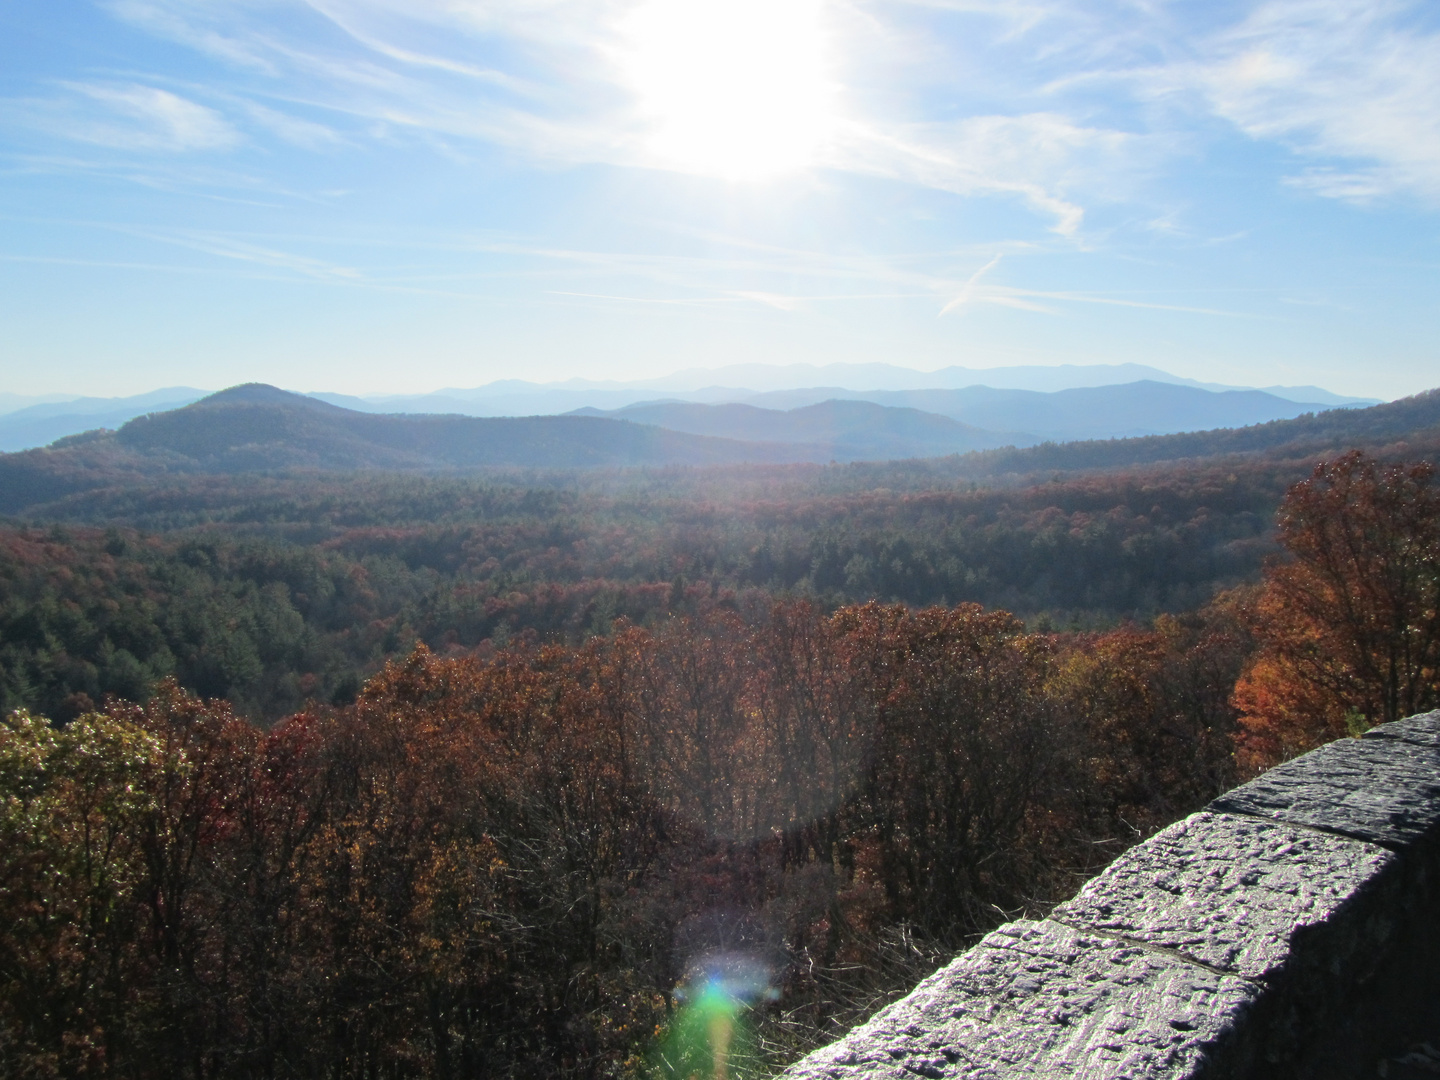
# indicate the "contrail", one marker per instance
pixel 969 289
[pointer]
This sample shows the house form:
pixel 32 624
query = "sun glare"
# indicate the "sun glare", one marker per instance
pixel 732 88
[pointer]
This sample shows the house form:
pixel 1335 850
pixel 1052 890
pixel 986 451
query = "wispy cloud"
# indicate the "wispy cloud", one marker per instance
pixel 350 17
pixel 240 250
pixel 1351 86
pixel 1028 156
pixel 967 293
pixel 292 129
pixel 1116 301
pixel 199 179
pixel 767 299
pixel 1353 80
pixel 124 116
pixel 178 22
pixel 701 275
pixel 543 77
pixel 666 301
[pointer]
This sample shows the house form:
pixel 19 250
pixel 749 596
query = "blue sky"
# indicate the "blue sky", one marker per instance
pixel 373 196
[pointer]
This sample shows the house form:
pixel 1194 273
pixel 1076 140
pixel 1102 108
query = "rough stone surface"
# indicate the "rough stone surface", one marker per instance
pixel 1384 790
pixel 1041 999
pixel 1291 932
pixel 1423 729
pixel 1230 892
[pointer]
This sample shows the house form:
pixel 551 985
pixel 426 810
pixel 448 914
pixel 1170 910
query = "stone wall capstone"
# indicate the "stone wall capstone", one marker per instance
pixel 1291 929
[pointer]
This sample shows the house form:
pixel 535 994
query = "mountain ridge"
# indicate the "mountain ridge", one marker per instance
pixel 727 385
pixel 997 417
pixel 852 429
pixel 1009 411
pixel 260 429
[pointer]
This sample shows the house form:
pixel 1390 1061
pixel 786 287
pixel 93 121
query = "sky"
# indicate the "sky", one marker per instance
pixel 394 196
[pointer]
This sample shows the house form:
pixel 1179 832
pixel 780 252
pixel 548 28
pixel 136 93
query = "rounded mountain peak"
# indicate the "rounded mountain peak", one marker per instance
pixel 263 394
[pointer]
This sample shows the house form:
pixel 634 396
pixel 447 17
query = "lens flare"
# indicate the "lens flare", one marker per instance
pixel 732 88
pixel 709 1039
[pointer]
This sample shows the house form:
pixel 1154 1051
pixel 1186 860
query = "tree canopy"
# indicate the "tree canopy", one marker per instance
pixel 1350 622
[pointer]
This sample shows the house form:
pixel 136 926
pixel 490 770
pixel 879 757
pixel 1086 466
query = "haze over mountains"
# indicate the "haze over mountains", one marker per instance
pixel 987 416
pixel 1018 405
pixel 794 385
pixel 253 427
pixel 261 429
pixel 720 385
pixel 829 430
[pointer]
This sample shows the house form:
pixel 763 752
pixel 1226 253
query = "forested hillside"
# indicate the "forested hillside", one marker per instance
pixel 257 428
pixel 474 773
pixel 697 847
pixel 278 591
pixel 272 590
pixel 260 430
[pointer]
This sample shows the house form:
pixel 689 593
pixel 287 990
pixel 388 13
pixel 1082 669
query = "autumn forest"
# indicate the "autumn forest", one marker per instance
pixel 502 774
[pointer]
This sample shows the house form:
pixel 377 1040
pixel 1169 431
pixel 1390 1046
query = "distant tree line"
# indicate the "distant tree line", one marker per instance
pixel 278 593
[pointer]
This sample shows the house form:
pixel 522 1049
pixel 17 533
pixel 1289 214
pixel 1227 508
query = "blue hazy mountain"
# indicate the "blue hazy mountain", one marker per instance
pixel 872 423
pixel 751 383
pixel 834 430
pixel 256 426
pixel 1032 403
pixel 42 423
pixel 1127 410
pixel 1188 405
pixel 1043 378
pixel 259 429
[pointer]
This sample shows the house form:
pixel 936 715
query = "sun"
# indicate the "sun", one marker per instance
pixel 734 88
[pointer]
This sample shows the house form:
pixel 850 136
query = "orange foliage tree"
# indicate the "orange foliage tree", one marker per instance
pixel 1153 713
pixel 1350 625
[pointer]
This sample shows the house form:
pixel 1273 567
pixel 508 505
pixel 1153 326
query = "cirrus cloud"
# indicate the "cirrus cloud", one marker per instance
pixel 1348 79
pixel 1351 87
pixel 129 116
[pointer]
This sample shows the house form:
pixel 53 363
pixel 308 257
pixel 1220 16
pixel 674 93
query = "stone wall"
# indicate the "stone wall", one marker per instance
pixel 1291 929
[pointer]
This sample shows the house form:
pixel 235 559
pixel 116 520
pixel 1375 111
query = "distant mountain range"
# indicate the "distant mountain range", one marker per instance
pixel 260 429
pixel 253 427
pixel 794 385
pixel 830 430
pixel 42 423
pixel 1054 404
pixel 1394 427
pixel 739 382
pixel 986 416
